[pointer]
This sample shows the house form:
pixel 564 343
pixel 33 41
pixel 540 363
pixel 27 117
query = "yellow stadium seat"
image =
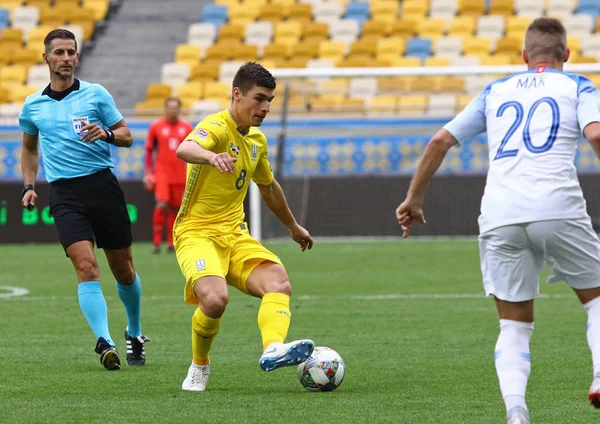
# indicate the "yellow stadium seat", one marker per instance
pixel 188 53
pixel 7 51
pixel 221 51
pixel 99 7
pixel 306 49
pixel 245 52
pixel 384 10
pixel 390 46
pixel 418 8
pixel 471 7
pixel 374 30
pixel 502 7
pixel 11 35
pixel 362 47
pixel 437 61
pixel 231 32
pixel 296 62
pixel 152 107
pixel 190 90
pixel 11 4
pixel 517 25
pixel 497 59
pixel 35 38
pixel 574 43
pixel 271 12
pixel 476 46
pixel 391 84
pixel 406 28
pixel 204 72
pixel 67 3
pixel 451 84
pixel 333 50
pixel 404 61
pixel 20 93
pixel 315 31
pixel 36 3
pixel 325 103
pixel 584 59
pixel 351 105
pixel 27 57
pixel 412 105
pixel 284 3
pixel 4 94
pixel 422 84
pixel 462 25
pixel 217 90
pixel 54 17
pixel 275 51
pixel 241 11
pixel 509 45
pixel 335 86
pixel 158 91
pixel 383 105
pixel 14 74
pixel 301 12
pixel 288 32
pixel 431 27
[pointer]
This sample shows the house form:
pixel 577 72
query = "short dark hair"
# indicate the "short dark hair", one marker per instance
pixel 61 34
pixel 546 38
pixel 253 74
pixel 172 99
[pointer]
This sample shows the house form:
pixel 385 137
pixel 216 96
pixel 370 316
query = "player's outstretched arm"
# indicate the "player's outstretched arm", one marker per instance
pixel 191 152
pixel 435 152
pixel 274 197
pixel 29 166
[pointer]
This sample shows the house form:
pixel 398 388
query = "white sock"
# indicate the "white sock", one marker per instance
pixel 593 332
pixel 513 362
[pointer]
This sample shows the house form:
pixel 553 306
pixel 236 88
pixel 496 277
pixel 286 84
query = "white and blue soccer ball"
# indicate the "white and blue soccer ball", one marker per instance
pixel 323 371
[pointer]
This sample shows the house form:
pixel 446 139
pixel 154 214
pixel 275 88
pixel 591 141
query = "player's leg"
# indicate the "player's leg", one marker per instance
pixel 510 267
pixel 574 256
pixel 76 236
pixel 202 261
pixel 175 196
pixel 257 271
pixel 112 229
pixel 161 209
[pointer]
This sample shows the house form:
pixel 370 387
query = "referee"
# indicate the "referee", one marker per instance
pixel 74 122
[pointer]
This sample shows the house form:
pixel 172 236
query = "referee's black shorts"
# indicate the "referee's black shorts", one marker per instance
pixel 91 208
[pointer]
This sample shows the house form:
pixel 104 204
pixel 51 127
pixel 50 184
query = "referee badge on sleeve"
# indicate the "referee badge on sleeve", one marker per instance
pixel 79 123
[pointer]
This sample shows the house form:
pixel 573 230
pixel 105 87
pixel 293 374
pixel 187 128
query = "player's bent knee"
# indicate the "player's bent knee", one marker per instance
pixel 214 304
pixel 87 269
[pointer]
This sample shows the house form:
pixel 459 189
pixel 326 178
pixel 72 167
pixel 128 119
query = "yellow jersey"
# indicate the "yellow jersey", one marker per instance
pixel 213 202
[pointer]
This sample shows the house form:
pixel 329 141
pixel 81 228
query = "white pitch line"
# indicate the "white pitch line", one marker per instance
pixel 376 297
pixel 12 292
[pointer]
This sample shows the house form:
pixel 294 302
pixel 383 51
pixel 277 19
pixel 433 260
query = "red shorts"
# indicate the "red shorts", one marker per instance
pixel 170 193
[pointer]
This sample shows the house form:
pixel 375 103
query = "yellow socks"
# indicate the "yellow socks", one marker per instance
pixel 204 330
pixel 274 318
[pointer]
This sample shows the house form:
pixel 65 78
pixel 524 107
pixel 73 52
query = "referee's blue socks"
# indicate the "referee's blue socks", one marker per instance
pixel 131 297
pixel 93 306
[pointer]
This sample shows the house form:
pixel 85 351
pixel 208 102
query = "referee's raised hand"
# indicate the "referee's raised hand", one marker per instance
pixel 92 133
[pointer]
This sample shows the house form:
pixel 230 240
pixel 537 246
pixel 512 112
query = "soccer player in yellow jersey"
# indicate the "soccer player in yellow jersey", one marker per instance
pixel 224 153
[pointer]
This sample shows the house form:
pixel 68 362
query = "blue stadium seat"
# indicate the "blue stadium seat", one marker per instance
pixel 420 47
pixel 4 18
pixel 358 11
pixel 214 13
pixel 589 7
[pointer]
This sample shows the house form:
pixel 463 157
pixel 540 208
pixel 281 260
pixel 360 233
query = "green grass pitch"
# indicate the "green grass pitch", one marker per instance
pixel 413 353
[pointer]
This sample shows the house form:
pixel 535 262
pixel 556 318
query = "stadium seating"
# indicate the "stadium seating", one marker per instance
pixel 23 26
pixel 342 33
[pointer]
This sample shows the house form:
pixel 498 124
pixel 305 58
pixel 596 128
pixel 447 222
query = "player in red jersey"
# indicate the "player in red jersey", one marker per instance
pixel 165 172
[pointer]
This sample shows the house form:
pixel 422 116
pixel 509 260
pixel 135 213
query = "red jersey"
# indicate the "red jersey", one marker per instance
pixel 165 137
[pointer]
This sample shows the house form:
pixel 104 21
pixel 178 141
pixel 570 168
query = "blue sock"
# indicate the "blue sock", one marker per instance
pixel 131 296
pixel 93 306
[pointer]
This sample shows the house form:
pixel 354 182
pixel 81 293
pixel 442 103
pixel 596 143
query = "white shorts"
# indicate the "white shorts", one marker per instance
pixel 512 257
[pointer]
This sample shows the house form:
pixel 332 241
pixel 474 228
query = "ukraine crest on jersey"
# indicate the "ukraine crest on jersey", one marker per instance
pixel 533 120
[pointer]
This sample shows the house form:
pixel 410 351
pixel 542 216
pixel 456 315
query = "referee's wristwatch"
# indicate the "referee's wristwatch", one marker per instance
pixel 26 188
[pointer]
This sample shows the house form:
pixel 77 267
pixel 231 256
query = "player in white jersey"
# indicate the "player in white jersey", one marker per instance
pixel 533 211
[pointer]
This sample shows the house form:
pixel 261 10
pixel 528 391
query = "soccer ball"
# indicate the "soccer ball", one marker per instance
pixel 322 371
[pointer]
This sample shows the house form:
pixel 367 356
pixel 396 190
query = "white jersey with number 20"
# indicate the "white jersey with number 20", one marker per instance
pixel 533 120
